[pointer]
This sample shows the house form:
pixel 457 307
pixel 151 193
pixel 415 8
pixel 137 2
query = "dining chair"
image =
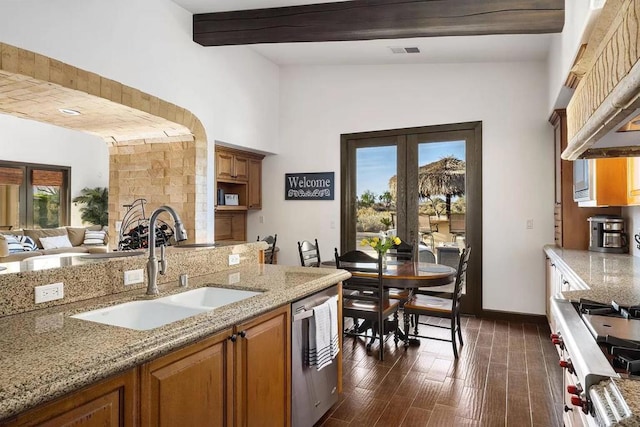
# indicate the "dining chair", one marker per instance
pixel 446 256
pixel 426 228
pixel 457 226
pixel 425 254
pixel 366 298
pixel 270 254
pixel 309 253
pixel 424 305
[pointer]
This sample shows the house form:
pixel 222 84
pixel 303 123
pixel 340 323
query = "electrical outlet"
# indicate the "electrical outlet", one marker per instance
pixel 234 259
pixel 261 219
pixel 131 277
pixel 50 292
pixel 529 224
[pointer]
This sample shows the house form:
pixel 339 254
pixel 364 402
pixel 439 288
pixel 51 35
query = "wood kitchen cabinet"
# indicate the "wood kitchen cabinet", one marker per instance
pixel 633 180
pixel 571 226
pixel 232 165
pixel 263 370
pixel 231 226
pixel 192 386
pixel 237 172
pixel 255 184
pixel 239 377
pixel 111 402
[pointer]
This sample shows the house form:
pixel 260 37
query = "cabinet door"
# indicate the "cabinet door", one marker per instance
pixel 190 387
pixel 255 184
pixel 263 370
pixel 241 168
pixel 224 165
pixel 111 402
pixel 550 288
pixel 231 226
pixel 633 180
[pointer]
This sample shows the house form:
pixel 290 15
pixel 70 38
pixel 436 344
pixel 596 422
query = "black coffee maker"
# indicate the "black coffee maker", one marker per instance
pixel 607 234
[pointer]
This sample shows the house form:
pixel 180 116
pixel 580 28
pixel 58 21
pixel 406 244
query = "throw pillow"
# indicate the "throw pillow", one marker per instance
pixel 28 244
pixel 14 244
pixel 55 242
pixel 38 233
pixel 94 237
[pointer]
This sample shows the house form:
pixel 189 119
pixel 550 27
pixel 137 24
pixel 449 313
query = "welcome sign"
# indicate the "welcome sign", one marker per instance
pixel 309 186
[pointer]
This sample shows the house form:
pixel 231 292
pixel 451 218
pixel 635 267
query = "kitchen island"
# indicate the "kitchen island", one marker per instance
pixel 47 354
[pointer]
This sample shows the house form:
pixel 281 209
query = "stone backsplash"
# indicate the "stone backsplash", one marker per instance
pixel 90 278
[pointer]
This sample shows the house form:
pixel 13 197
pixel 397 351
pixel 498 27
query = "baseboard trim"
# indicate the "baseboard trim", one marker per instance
pixel 508 316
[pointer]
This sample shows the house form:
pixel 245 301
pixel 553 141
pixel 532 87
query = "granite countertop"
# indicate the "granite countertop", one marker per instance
pixel 46 354
pixel 602 277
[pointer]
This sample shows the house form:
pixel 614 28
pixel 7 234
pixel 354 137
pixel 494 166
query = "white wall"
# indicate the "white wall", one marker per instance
pixel 320 103
pixel 147 44
pixel 33 142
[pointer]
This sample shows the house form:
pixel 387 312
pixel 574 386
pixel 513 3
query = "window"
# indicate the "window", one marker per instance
pixel 33 195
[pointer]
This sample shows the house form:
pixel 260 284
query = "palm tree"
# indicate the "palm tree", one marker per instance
pixel 96 209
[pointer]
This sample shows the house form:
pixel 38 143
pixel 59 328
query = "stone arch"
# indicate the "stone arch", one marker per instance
pixel 157 150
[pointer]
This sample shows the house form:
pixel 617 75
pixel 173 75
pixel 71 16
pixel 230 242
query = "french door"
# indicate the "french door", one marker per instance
pixel 421 184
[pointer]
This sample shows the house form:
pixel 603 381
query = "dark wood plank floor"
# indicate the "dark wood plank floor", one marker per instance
pixel 507 375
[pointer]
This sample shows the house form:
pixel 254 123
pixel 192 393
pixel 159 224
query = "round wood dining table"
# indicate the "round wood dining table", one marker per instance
pixel 406 275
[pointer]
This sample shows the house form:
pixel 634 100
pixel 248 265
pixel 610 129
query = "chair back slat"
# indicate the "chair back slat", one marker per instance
pixel 309 253
pixel 461 275
pixel 269 254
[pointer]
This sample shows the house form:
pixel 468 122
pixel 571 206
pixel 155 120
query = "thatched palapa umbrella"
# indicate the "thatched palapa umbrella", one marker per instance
pixel 443 177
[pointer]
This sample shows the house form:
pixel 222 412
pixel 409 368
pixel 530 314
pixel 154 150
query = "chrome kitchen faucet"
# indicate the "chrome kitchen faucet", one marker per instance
pixel 152 264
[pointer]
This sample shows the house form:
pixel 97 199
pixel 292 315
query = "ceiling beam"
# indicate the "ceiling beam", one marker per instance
pixel 378 19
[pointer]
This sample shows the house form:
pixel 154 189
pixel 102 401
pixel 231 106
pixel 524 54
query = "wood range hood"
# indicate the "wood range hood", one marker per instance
pixel 603 116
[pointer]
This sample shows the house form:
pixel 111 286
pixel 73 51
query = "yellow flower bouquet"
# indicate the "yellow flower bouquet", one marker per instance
pixel 381 245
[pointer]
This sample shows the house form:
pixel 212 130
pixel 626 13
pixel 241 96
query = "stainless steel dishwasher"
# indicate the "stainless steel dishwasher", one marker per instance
pixel 313 391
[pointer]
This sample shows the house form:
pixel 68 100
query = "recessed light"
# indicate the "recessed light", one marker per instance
pixel 69 112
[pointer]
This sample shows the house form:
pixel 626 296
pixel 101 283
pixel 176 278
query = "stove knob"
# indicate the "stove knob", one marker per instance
pixel 556 340
pixel 574 389
pixel 567 365
pixel 580 403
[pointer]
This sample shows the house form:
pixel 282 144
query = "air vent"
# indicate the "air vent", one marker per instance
pixel 404 49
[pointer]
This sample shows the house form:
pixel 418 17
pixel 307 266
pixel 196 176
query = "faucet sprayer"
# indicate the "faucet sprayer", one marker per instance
pixel 180 234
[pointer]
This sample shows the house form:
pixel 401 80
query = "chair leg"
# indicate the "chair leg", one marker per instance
pixel 453 336
pixel 381 339
pixel 459 328
pixel 416 319
pixel 395 331
pixel 373 336
pixel 405 318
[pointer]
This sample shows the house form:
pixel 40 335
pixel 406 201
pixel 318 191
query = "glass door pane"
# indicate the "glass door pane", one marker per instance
pixel 9 206
pixel 46 207
pixel 376 192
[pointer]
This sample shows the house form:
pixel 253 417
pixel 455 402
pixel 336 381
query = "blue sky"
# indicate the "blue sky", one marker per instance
pixel 375 165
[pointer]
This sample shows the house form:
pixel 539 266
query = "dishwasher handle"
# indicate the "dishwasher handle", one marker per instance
pixel 305 313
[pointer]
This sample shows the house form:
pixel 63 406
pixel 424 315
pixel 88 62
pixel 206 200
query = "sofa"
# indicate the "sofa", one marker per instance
pixel 20 244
